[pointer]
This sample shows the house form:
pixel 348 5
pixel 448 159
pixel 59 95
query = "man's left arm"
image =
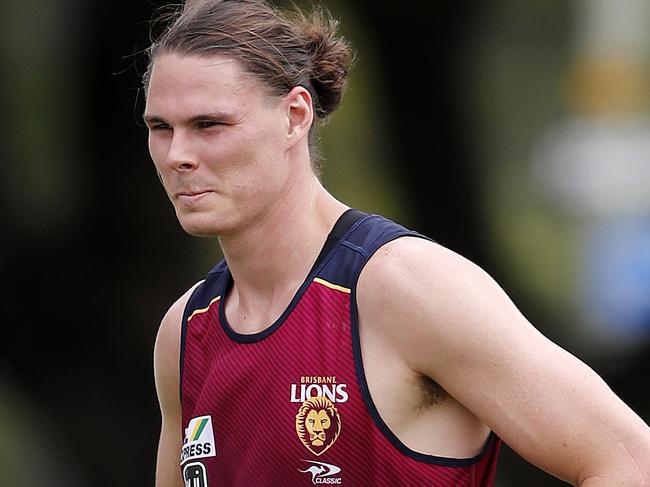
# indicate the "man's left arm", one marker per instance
pixel 457 326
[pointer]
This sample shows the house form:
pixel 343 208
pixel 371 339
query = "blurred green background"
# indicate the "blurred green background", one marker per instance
pixel 515 133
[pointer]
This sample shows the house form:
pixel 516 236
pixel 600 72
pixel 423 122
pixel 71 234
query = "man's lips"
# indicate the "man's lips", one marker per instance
pixel 189 197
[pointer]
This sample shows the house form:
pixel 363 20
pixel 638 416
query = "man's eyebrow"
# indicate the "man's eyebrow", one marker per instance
pixel 152 118
pixel 193 119
pixel 210 116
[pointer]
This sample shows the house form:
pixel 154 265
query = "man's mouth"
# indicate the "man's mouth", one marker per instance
pixel 190 197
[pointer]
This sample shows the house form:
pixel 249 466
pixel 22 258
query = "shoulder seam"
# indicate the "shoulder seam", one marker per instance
pixel 356 248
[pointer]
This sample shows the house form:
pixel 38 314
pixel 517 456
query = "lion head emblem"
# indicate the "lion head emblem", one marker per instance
pixel 318 424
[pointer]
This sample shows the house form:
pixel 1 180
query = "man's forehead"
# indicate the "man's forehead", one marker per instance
pixel 183 72
pixel 187 85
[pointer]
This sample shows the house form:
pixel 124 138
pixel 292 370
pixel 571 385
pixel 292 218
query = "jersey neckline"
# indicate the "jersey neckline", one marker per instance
pixel 346 223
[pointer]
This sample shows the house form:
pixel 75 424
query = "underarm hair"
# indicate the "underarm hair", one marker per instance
pixel 432 393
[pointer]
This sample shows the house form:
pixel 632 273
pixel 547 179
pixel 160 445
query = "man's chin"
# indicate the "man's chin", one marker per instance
pixel 197 229
pixel 209 223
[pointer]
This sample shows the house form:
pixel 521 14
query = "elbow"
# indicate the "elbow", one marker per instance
pixel 644 471
pixel 640 464
pixel 629 469
pixel 619 477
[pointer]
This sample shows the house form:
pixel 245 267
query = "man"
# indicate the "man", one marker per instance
pixel 331 346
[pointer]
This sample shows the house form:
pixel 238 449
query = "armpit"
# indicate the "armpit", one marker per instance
pixel 432 393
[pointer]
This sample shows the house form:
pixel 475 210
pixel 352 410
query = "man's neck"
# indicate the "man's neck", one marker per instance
pixel 270 259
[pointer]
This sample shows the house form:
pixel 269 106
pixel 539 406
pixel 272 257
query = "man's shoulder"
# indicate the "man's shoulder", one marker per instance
pixel 412 256
pixel 174 315
pixel 412 278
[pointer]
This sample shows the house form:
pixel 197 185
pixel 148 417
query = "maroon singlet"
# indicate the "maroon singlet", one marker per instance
pixel 290 406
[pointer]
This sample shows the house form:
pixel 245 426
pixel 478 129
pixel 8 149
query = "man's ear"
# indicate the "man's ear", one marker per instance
pixel 300 113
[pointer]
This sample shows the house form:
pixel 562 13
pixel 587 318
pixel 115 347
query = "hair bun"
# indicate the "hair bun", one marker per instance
pixel 332 59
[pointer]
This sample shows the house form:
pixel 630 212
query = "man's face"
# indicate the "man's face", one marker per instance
pixel 218 141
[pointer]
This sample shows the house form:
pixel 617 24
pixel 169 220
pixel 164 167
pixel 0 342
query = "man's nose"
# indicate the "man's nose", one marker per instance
pixel 181 156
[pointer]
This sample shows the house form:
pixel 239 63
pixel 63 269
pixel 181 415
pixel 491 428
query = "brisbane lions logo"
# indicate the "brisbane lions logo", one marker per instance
pixel 318 424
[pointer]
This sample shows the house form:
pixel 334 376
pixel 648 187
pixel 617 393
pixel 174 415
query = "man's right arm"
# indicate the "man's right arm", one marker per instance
pixel 166 371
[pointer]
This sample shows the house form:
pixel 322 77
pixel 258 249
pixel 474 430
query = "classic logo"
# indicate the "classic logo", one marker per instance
pixel 322 473
pixel 318 424
pixel 194 475
pixel 199 440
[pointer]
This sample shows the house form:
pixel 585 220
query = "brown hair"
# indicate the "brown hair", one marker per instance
pixel 283 50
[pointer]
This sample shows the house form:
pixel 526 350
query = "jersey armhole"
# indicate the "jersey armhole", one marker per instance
pixel 187 311
pixel 491 441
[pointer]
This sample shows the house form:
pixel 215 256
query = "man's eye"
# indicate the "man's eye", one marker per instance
pixel 160 126
pixel 206 124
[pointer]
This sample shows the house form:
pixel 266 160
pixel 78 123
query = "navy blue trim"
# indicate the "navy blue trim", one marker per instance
pixel 356 248
pixel 342 242
pixel 226 283
pixel 181 358
pixel 201 296
pixel 345 221
pixel 363 385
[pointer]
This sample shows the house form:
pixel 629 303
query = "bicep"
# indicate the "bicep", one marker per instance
pixel 166 372
pixel 545 403
pixel 462 330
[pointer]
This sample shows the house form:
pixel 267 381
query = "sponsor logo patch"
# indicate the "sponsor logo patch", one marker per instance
pixel 322 473
pixel 194 475
pixel 199 440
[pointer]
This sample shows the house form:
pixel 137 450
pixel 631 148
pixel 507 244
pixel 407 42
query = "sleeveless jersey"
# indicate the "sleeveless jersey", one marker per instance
pixel 290 406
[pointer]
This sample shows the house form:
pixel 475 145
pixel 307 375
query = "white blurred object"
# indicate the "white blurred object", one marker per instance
pixel 595 168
